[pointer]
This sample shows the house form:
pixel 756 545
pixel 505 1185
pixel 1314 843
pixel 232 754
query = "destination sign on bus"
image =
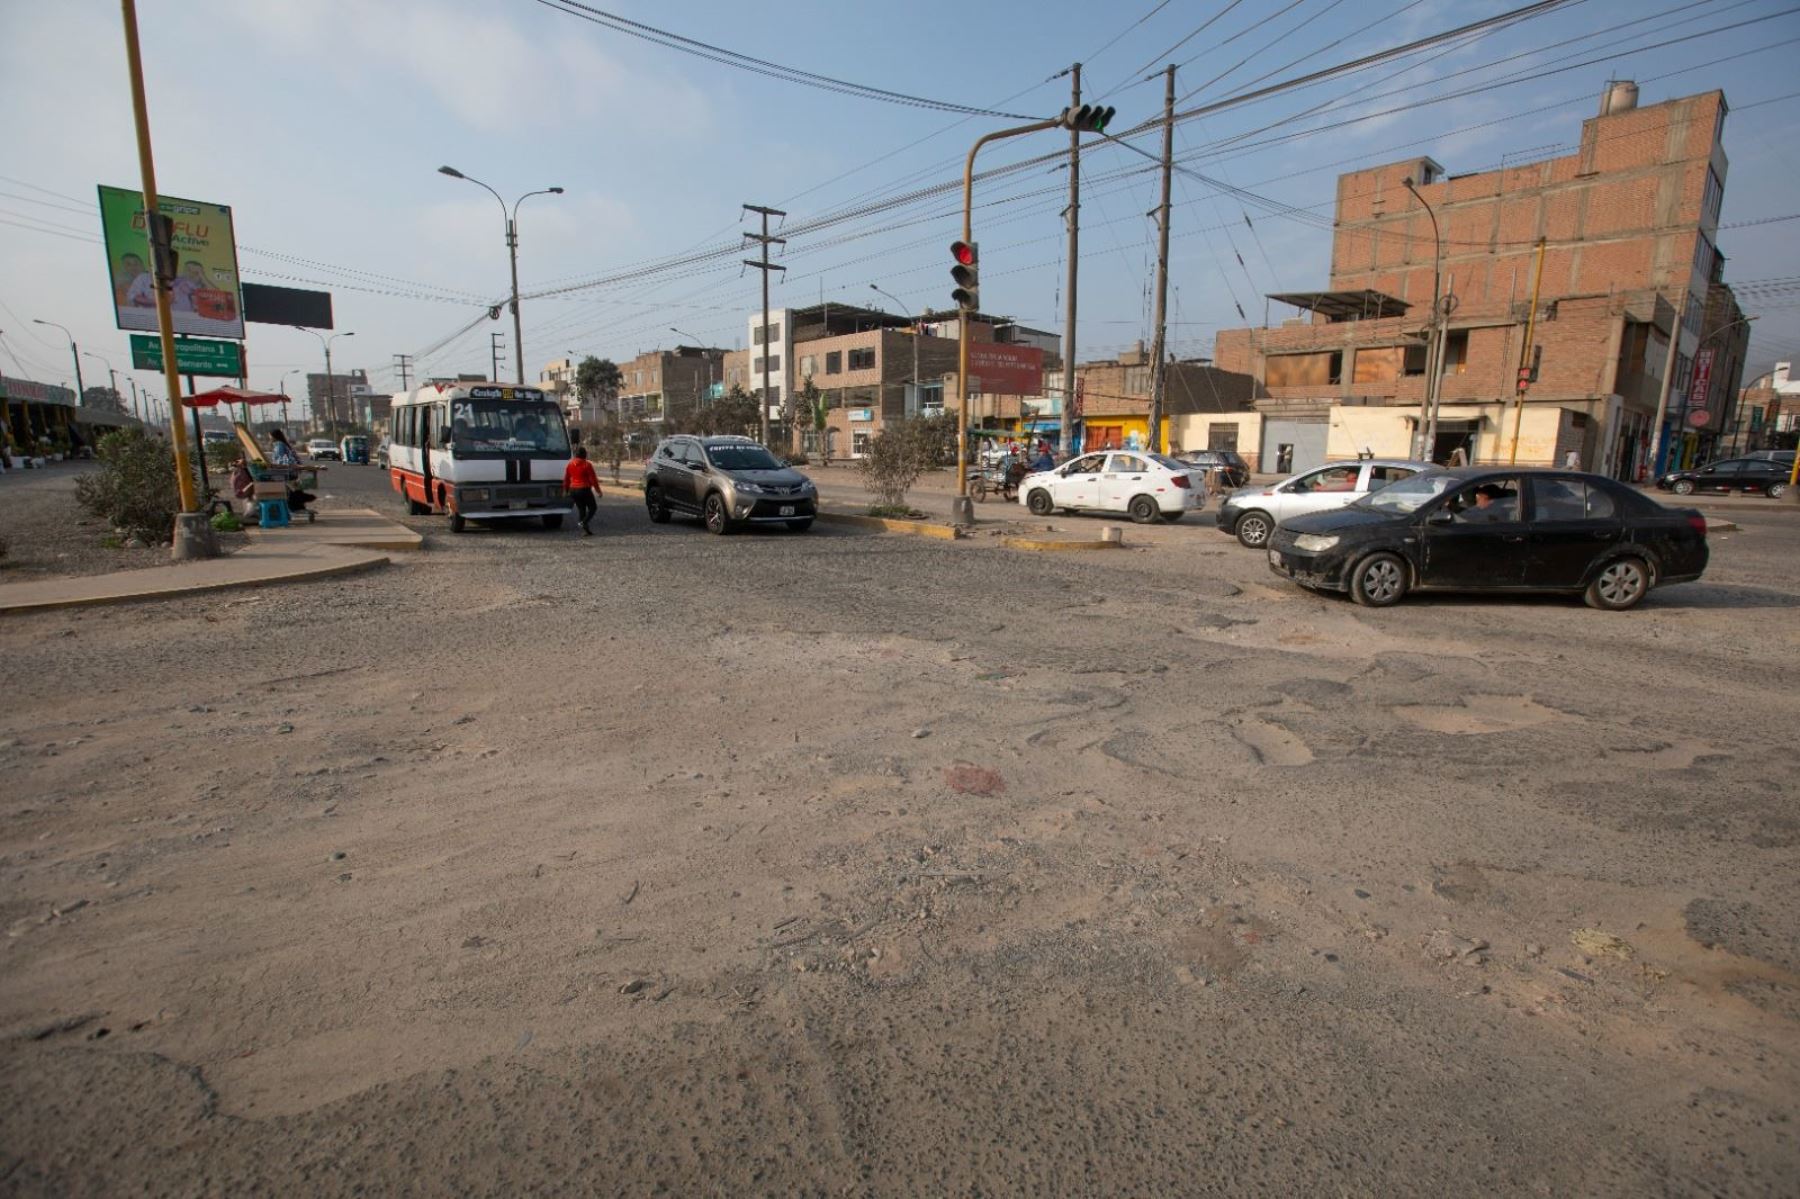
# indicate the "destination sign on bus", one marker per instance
pixel 506 393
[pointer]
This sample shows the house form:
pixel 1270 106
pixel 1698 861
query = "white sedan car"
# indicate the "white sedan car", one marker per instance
pixel 322 447
pixel 1253 512
pixel 1147 486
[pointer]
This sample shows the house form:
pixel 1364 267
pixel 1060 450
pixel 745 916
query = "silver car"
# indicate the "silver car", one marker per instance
pixel 1251 513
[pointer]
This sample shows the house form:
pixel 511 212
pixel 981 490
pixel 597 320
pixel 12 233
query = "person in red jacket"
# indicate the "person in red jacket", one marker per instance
pixel 583 486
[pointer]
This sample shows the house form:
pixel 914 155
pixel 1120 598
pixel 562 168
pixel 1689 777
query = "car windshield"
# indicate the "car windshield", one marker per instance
pixel 508 427
pixel 743 457
pixel 1408 495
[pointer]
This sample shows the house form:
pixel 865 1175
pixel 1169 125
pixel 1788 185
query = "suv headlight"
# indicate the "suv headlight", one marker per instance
pixel 747 488
pixel 1314 543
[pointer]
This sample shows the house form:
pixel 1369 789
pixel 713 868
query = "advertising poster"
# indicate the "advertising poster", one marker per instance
pixel 206 299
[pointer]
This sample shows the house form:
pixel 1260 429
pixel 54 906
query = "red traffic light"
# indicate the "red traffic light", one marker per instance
pixel 963 252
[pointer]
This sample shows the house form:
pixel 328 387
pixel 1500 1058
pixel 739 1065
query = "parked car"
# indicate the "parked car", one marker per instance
pixel 1786 456
pixel 1765 475
pixel 1148 487
pixel 1224 466
pixel 1488 529
pixel 1251 513
pixel 320 448
pixel 726 482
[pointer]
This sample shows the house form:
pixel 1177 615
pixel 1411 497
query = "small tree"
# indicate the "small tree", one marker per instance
pixel 597 382
pixel 733 413
pixel 897 456
pixel 103 399
pixel 134 489
pixel 817 410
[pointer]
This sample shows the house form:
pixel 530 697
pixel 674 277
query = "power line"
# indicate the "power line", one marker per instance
pixel 760 66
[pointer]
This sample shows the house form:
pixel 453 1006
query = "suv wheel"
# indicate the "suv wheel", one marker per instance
pixel 656 505
pixel 1253 529
pixel 718 521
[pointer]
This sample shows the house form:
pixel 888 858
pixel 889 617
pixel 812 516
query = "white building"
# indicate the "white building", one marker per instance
pixel 777 347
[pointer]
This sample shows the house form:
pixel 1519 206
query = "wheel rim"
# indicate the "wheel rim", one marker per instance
pixel 1382 580
pixel 715 513
pixel 1143 511
pixel 1777 490
pixel 1254 529
pixel 1621 583
pixel 1684 488
pixel 1040 503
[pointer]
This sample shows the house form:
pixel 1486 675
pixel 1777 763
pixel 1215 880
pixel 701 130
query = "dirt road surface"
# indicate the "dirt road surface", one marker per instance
pixel 846 864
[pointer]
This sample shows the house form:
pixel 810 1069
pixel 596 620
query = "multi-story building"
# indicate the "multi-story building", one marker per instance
pixel 660 384
pixel 1767 414
pixel 1623 233
pixel 558 378
pixel 348 398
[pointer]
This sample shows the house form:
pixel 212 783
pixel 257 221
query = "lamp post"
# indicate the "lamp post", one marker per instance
pixel 701 346
pixel 282 387
pixel 111 374
pixel 512 249
pixel 1428 415
pixel 74 353
pixel 911 409
pixel 330 382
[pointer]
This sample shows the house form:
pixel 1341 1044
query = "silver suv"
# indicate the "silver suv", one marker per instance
pixel 727 482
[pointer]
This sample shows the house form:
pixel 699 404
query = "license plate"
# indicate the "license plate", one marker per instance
pixel 1274 558
pixel 787 510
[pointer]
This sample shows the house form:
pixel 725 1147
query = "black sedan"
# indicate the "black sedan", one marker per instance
pixel 1770 477
pixel 1224 467
pixel 1487 529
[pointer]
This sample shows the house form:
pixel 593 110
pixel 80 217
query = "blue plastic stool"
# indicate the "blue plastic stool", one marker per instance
pixel 274 513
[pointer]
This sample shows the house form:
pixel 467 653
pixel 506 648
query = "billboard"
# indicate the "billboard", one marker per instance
pixel 1006 369
pixel 205 299
pixel 266 305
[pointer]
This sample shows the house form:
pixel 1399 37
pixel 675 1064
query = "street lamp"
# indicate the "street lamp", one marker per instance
pixel 912 408
pixel 111 374
pixel 282 387
pixel 330 382
pixel 512 249
pixel 701 346
pixel 1428 415
pixel 74 353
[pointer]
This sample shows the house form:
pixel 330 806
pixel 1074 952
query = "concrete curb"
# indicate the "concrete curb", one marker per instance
pixel 1058 545
pixel 48 603
pixel 1720 526
pixel 917 528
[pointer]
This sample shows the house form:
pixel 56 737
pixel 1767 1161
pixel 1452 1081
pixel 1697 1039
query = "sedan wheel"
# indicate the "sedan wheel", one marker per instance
pixel 1040 502
pixel 1144 510
pixel 1619 585
pixel 1682 487
pixel 1777 490
pixel 1379 580
pixel 1253 529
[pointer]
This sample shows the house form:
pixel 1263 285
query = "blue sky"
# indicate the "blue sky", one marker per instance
pixel 322 122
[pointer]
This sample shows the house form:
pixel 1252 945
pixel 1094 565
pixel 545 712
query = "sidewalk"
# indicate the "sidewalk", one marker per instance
pixel 341 541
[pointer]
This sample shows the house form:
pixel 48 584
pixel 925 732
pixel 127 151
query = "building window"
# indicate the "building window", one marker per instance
pixel 1304 370
pixel 859 444
pixel 1377 364
pixel 1715 194
pixel 765 333
pixel 862 360
pixel 834 363
pixel 1456 353
pixel 1703 256
pixel 808 368
pixel 1221 436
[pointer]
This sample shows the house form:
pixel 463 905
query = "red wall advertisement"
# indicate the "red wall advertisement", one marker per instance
pixel 1007 370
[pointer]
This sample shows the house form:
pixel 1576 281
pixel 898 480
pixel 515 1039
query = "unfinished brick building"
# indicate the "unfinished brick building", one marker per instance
pixel 1627 228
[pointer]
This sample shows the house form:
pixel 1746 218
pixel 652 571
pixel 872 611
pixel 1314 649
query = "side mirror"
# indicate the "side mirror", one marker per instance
pixel 1442 516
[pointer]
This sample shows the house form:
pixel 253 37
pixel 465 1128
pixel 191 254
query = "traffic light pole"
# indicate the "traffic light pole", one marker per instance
pixel 1160 343
pixel 1066 444
pixel 963 512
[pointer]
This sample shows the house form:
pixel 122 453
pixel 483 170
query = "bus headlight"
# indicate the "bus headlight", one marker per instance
pixel 475 495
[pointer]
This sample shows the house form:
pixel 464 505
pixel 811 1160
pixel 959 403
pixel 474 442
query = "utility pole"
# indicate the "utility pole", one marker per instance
pixel 1668 381
pixel 1160 341
pixel 765 266
pixel 1067 443
pixel 403 367
pixel 494 348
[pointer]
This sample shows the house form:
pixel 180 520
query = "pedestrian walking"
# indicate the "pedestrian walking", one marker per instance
pixel 583 486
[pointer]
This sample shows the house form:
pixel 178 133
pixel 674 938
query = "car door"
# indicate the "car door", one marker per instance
pixel 1123 479
pixel 1471 544
pixel 1078 484
pixel 1572 525
pixel 1758 475
pixel 675 476
pixel 1719 476
pixel 1318 490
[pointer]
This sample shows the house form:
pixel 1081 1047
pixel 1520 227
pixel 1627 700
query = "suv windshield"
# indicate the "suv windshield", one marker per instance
pixel 479 427
pixel 1408 495
pixel 743 457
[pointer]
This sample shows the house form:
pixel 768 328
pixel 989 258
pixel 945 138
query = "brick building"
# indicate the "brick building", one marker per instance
pixel 347 400
pixel 660 383
pixel 1626 225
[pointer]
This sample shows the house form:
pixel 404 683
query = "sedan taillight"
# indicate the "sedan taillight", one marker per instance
pixel 1180 481
pixel 1697 522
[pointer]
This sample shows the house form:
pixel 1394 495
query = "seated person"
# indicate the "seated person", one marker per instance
pixel 1045 460
pixel 243 487
pixel 1490 503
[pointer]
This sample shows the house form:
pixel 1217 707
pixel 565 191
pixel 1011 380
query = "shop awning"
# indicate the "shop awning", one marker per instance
pixel 232 395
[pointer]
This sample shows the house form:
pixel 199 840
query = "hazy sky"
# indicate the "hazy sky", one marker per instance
pixel 322 123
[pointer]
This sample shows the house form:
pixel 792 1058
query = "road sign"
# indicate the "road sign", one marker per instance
pixel 193 356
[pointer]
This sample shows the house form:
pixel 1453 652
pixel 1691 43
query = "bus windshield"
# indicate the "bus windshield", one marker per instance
pixel 484 427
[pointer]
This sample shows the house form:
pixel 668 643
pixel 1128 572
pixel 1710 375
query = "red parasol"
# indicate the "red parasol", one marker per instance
pixel 233 395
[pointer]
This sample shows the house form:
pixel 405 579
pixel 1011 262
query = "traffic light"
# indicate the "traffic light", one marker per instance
pixel 967 275
pixel 1089 118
